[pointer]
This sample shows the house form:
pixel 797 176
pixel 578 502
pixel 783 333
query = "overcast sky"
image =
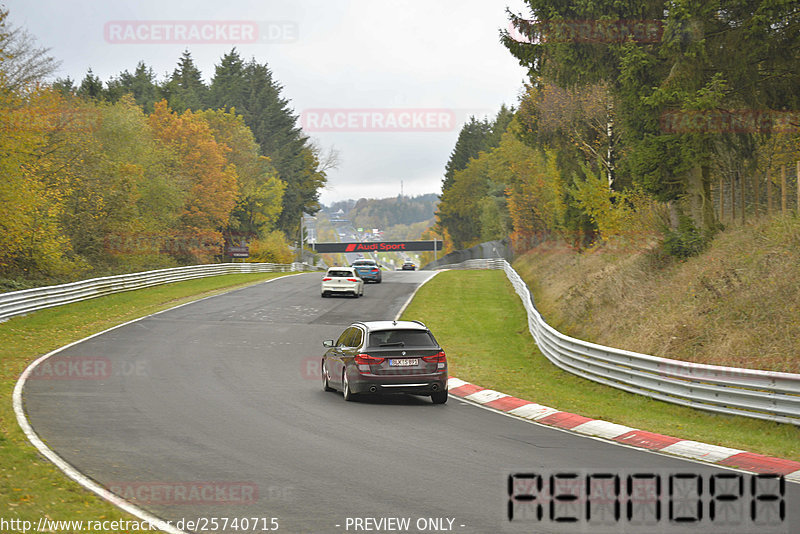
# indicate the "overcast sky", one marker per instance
pixel 421 66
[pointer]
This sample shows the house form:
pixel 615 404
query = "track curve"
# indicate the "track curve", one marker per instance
pixel 225 393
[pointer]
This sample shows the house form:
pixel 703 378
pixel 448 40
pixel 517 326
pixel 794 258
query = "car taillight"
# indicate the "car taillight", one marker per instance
pixel 327 279
pixel 352 280
pixel 366 359
pixel 374 270
pixel 439 357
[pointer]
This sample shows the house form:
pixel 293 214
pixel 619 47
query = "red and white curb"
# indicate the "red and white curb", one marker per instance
pixel 724 456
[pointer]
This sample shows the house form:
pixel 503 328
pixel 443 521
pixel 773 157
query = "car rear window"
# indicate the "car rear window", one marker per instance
pixel 342 274
pixel 401 338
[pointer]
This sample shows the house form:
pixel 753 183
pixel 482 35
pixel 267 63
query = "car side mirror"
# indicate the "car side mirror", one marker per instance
pixel 327 343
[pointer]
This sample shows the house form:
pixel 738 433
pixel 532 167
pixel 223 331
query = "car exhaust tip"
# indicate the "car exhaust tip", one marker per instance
pixel 435 387
pixel 373 389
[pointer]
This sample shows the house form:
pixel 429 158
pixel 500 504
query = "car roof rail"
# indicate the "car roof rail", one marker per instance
pixel 419 323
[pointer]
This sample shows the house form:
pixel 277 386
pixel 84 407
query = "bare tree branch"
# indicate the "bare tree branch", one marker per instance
pixel 327 159
pixel 22 62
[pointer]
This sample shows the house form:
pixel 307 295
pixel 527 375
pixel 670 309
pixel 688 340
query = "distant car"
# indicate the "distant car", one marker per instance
pixel 368 270
pixel 342 280
pixel 408 266
pixel 386 357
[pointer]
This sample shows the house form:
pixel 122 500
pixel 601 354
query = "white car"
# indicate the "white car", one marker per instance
pixel 342 280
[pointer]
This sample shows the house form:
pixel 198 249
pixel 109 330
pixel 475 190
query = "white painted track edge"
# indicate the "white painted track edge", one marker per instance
pixel 65 466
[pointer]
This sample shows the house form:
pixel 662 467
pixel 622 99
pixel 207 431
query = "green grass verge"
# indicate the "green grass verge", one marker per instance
pixel 30 486
pixel 481 323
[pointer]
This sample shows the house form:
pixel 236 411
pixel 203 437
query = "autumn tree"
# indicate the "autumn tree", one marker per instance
pixel 31 191
pixel 142 194
pixel 535 189
pixel 107 177
pixel 485 218
pixel 258 204
pixel 210 181
pixel 33 125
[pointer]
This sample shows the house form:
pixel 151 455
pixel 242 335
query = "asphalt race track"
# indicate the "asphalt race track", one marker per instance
pixel 215 409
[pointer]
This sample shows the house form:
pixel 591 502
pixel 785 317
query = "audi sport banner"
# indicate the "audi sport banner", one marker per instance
pixel 378 246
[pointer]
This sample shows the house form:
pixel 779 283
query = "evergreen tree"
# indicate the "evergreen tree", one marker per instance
pixel 185 88
pixel 141 84
pixel 65 86
pixel 275 126
pixel 229 88
pixel 91 87
pixel 472 140
pixel 713 56
pixel 251 89
pixel 499 126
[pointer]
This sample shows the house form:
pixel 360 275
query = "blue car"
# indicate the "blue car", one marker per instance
pixel 368 270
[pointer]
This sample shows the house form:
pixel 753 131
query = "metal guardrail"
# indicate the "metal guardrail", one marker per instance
pixel 498 249
pixel 490 263
pixel 769 395
pixel 29 300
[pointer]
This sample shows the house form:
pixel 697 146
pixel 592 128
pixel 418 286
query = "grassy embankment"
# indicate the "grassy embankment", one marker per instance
pixel 30 486
pixel 736 305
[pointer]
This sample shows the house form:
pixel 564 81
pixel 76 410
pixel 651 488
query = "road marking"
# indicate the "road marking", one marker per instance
pixel 486 395
pixel 700 451
pixel 68 468
pixel 623 435
pixel 602 429
pixel 533 411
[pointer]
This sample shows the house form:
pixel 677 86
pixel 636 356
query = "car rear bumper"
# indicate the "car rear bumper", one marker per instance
pixel 339 288
pixel 382 384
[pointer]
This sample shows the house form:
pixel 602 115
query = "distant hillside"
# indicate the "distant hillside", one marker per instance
pixel 384 213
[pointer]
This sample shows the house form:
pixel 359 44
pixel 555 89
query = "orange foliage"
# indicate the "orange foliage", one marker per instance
pixel 211 182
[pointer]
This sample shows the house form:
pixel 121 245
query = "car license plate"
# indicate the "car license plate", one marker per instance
pixel 406 362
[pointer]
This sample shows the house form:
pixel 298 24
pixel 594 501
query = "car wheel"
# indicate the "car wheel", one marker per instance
pixel 348 395
pixel 325 384
pixel 324 294
pixel 439 397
